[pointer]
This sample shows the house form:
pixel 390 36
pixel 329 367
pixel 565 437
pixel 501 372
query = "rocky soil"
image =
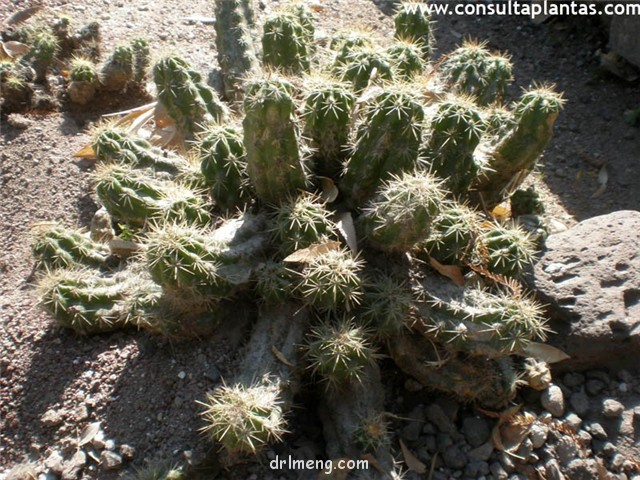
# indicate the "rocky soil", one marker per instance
pixel 99 407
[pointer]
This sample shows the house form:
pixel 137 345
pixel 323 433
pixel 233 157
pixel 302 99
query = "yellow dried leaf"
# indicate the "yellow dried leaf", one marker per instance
pixel 450 271
pixel 500 213
pixel 85 152
pixel 14 49
pixel 411 460
pixel 306 254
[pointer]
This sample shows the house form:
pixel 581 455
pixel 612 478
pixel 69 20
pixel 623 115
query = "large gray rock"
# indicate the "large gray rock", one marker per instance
pixel 589 276
pixel 624 38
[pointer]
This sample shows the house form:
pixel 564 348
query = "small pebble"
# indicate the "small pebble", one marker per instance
pixel 182 375
pixel 552 400
pixel 612 408
pixel 538 434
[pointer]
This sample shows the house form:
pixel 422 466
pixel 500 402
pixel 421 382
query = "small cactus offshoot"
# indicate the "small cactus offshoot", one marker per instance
pixel 412 22
pixel 339 351
pixel 287 42
pixel 453 235
pixel 117 71
pixel 506 249
pixel 244 419
pixel 56 246
pixel 387 306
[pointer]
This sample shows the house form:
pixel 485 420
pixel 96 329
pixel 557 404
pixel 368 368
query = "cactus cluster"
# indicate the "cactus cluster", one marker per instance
pixel 317 200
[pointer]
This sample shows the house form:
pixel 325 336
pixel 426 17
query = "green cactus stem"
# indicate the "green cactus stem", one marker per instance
pixel 222 156
pixel 84 80
pixel 387 306
pixel 515 156
pixel 387 142
pixel 300 222
pixel 327 116
pixel 235 45
pixel 400 215
pixel 526 202
pixel 345 44
pixel 187 99
pixel 55 246
pixel 505 249
pixel 275 283
pixel 332 281
pixel 453 235
pixel 135 197
pixel 271 138
pixel 287 42
pixel 44 48
pixel 338 351
pixel 248 414
pixel 141 59
pixel 406 59
pixel 456 129
pixel 117 72
pixel 473 70
pixel 121 148
pixel 364 67
pixel 412 22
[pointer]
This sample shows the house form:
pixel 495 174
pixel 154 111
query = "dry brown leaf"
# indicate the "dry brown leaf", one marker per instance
pixel 164 136
pixel 311 252
pixel 603 178
pixel 450 271
pixel 140 121
pixel 316 7
pixel 329 190
pixel 14 49
pixel 85 152
pixel 411 460
pixel 508 435
pixel 89 433
pixel 281 357
pixel 545 352
pixel 348 231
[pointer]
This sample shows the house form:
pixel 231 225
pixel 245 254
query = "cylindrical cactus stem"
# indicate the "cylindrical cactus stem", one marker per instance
pixel 488 382
pixel 387 306
pixel 122 148
pixel 353 422
pixel 16 92
pixel 413 22
pixel 505 249
pixel 271 138
pixel 248 414
pixel 516 154
pixel 364 67
pixel 498 122
pixel 453 235
pixel 347 43
pixel 42 53
pixel 332 281
pixel 275 283
pixel 473 70
pixel 187 99
pixel 477 322
pixel 234 20
pixel 338 352
pixel 84 79
pixel 117 71
pixel 526 202
pixel 327 116
pixel 220 150
pixel 400 215
pixel 83 300
pixel 456 128
pixel 287 41
pixel 197 262
pixel 300 222
pixel 387 142
pixel 406 59
pixel 141 59
pixel 56 246
pixel 135 197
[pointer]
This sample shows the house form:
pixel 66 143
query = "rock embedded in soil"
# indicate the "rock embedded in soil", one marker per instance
pixel 612 408
pixel 552 400
pixel 590 278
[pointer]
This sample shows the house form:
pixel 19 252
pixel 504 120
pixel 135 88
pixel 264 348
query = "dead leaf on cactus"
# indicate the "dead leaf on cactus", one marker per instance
pixel 511 430
pixel 348 231
pixel 281 357
pixel 12 50
pixel 307 254
pixel 450 271
pixel 544 352
pixel 329 189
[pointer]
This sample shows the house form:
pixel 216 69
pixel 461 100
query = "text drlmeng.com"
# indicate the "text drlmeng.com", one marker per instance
pixel 533 9
pixel 326 466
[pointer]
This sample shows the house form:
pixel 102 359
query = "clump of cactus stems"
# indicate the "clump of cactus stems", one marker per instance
pixel 287 40
pixel 43 50
pixel 415 168
pixel 117 71
pixel 235 45
pixel 187 99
